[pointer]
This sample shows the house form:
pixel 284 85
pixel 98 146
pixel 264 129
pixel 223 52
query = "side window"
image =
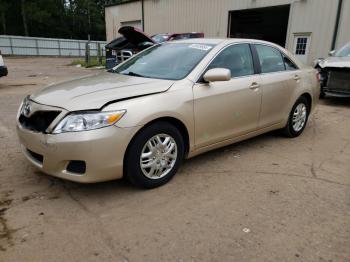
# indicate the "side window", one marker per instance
pixel 289 64
pixel 236 58
pixel 270 59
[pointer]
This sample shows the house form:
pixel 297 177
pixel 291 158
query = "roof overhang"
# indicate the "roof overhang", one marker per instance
pixel 121 2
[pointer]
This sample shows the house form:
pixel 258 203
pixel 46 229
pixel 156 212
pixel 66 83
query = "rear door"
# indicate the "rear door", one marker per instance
pixel 226 109
pixel 279 79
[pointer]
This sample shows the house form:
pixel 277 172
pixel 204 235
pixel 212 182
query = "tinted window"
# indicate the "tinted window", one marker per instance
pixel 270 59
pixel 236 58
pixel 289 64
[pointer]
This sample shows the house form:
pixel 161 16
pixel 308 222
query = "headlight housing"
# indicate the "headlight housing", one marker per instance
pixel 84 121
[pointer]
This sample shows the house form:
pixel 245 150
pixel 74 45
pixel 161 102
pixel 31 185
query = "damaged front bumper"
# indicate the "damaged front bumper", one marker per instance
pixel 335 81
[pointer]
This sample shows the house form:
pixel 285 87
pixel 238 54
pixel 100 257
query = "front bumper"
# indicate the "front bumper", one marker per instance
pixel 3 71
pixel 102 150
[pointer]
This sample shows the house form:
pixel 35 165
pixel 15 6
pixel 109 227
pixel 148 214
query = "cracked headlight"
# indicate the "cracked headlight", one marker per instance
pixel 84 121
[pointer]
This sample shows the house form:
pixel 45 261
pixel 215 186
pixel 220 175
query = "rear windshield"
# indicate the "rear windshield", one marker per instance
pixel 172 61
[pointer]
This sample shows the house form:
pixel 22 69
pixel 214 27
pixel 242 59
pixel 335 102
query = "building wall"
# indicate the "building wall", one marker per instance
pixel 211 17
pixel 115 15
pixel 344 27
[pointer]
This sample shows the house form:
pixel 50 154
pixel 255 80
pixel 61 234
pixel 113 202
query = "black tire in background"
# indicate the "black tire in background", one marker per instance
pixel 288 130
pixel 132 167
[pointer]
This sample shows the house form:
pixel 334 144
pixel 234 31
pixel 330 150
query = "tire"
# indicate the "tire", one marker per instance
pixel 165 160
pixel 292 129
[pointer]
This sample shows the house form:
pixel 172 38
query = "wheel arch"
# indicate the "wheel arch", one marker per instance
pixel 172 120
pixel 308 98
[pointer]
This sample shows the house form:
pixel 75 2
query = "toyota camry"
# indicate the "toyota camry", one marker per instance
pixel 169 102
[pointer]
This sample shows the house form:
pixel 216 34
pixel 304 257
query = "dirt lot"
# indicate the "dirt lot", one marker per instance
pixel 266 199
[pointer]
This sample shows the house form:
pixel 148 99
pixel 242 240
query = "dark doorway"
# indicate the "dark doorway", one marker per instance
pixel 267 23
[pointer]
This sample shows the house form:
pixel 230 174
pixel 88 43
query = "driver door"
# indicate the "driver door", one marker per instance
pixel 226 109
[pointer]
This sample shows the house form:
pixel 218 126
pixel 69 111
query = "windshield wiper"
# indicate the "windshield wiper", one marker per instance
pixel 133 74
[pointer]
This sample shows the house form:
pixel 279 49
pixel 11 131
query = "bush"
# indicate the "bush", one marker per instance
pixel 93 62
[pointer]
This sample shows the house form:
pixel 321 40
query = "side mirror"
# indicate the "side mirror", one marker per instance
pixel 217 74
pixel 331 53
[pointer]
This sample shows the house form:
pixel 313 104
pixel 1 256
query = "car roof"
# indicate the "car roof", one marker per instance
pixel 226 41
pixel 216 41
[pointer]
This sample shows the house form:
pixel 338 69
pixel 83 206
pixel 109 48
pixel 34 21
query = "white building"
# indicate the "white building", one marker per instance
pixel 308 28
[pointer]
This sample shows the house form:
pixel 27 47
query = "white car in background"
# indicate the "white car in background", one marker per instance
pixel 3 68
pixel 335 73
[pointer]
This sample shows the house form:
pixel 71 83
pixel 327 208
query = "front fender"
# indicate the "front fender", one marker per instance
pixel 175 103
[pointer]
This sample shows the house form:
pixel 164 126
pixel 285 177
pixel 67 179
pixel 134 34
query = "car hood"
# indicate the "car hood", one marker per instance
pixel 93 92
pixel 135 35
pixel 339 62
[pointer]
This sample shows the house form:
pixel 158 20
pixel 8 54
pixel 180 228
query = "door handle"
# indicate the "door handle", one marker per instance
pixel 296 77
pixel 254 86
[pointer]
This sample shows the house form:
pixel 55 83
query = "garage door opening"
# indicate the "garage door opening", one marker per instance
pixel 268 23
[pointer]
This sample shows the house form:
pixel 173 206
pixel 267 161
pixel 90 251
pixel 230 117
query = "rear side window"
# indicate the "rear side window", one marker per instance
pixel 270 59
pixel 289 64
pixel 236 58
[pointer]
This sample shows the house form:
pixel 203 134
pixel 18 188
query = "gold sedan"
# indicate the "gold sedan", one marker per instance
pixel 167 103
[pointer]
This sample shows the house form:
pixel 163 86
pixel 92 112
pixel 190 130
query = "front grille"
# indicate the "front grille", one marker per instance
pixel 123 55
pixel 39 121
pixel 339 81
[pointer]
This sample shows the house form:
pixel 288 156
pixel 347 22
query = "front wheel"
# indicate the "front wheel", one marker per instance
pixel 297 118
pixel 154 155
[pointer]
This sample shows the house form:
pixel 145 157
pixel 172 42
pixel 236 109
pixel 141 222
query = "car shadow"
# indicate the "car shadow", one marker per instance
pixel 122 187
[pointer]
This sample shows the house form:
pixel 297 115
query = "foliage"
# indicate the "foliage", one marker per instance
pixel 74 19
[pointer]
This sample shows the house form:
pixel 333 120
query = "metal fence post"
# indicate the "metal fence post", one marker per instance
pixel 36 46
pixel 11 45
pixel 99 54
pixel 59 47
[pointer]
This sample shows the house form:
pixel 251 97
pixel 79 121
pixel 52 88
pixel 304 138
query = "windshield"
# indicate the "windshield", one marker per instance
pixel 344 51
pixel 167 61
pixel 160 38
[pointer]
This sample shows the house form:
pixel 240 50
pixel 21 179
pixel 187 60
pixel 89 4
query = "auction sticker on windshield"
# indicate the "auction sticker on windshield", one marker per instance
pixel 200 47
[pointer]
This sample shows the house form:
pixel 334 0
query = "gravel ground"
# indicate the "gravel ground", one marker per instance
pixel 265 199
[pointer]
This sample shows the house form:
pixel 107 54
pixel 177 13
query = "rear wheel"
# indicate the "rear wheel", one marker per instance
pixel 154 155
pixel 297 118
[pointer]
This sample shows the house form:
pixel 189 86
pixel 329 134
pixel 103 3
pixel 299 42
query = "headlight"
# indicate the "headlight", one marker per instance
pixel 75 122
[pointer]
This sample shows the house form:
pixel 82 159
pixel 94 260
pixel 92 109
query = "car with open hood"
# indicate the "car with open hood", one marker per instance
pixel 170 102
pixel 335 73
pixel 134 40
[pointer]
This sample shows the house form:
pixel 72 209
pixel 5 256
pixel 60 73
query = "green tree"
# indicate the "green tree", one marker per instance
pixel 74 19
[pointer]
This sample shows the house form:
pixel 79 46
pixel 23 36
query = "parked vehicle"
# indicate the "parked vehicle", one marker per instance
pixel 167 103
pixel 135 40
pixel 3 68
pixel 335 73
pixel 160 38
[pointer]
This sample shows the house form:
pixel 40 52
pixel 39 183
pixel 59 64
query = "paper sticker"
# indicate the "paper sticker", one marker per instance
pixel 200 47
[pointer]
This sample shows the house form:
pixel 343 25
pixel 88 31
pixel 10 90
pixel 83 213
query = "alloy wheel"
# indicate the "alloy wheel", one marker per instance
pixel 158 156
